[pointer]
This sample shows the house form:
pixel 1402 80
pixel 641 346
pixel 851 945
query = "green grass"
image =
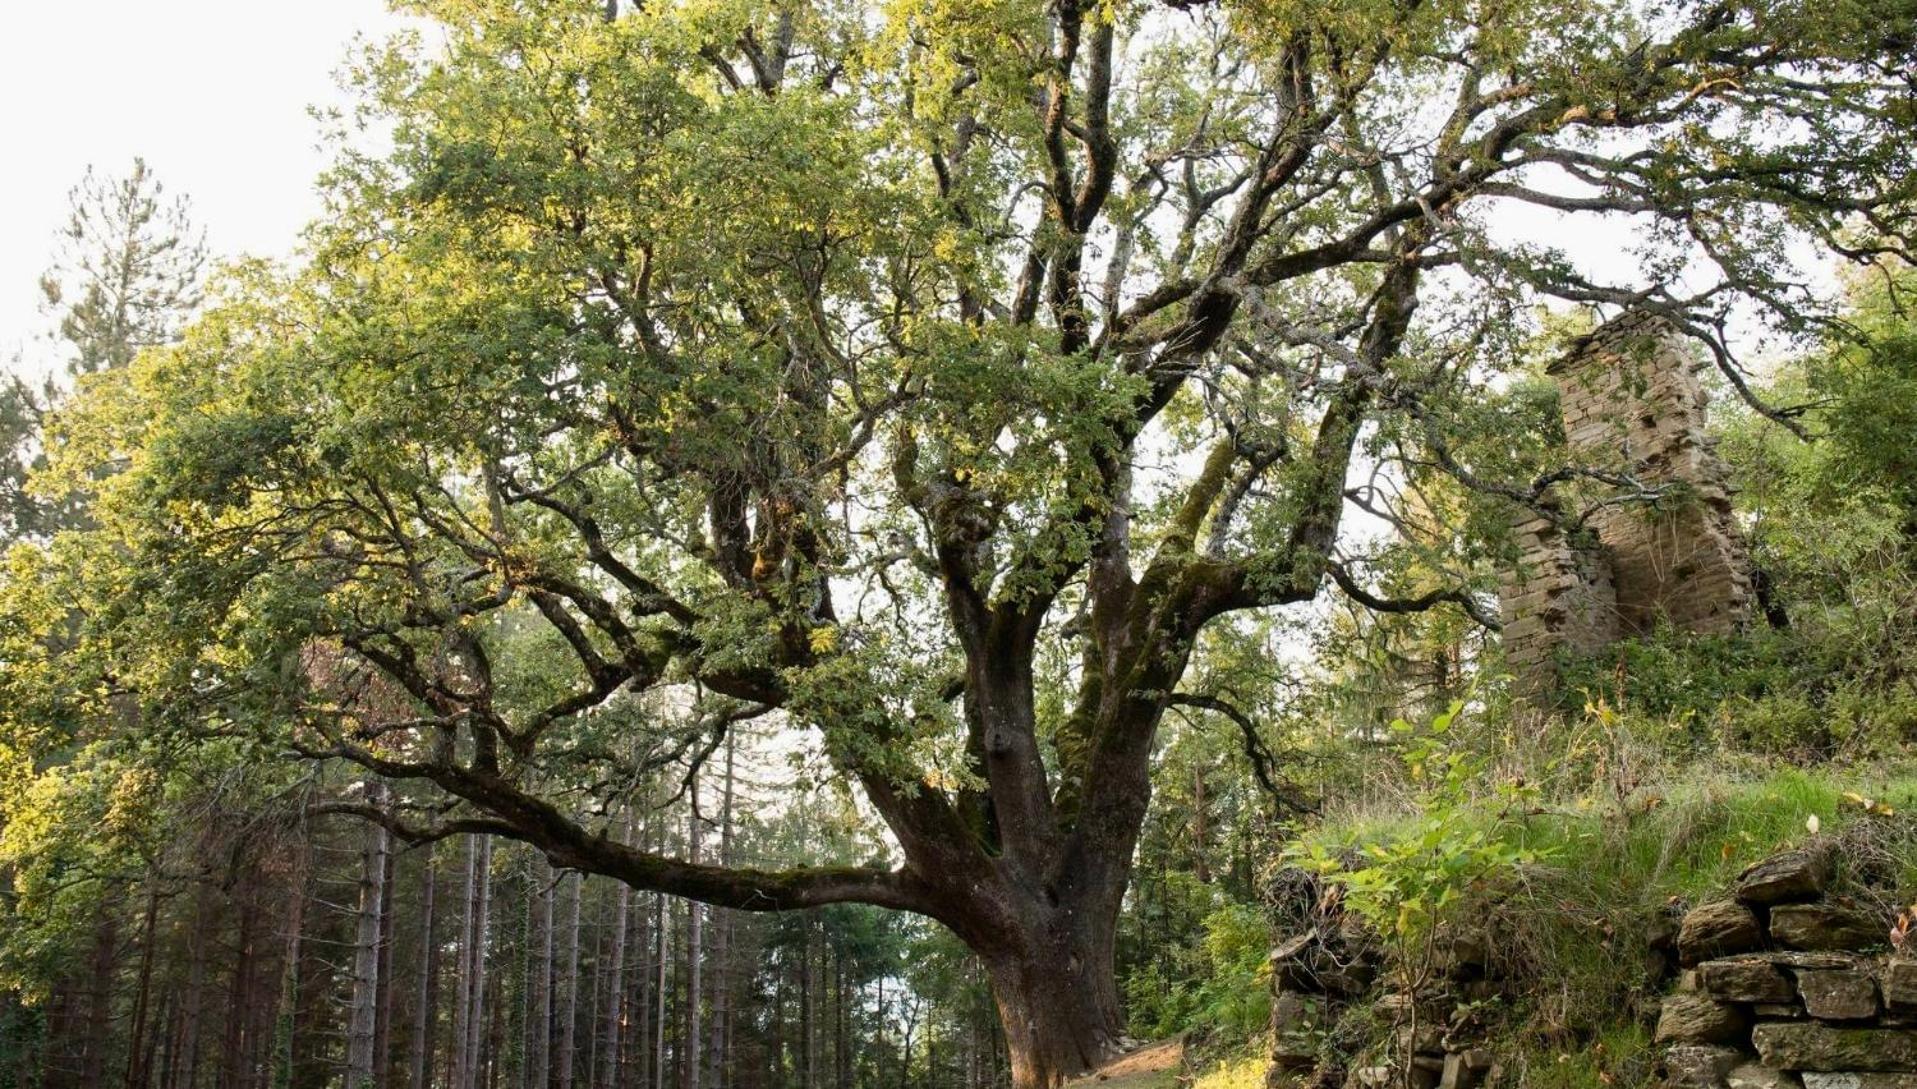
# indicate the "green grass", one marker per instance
pixel 1691 839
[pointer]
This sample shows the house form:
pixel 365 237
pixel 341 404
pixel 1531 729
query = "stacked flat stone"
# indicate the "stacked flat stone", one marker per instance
pixel 1787 986
pixel 1435 1042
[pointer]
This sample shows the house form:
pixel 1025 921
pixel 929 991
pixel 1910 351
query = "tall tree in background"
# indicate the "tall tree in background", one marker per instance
pixel 126 275
pixel 128 271
pixel 933 381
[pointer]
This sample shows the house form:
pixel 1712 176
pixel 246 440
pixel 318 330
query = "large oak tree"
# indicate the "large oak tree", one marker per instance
pixel 927 376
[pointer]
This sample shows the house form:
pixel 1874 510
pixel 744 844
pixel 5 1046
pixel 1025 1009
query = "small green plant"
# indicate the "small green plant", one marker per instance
pixel 1420 879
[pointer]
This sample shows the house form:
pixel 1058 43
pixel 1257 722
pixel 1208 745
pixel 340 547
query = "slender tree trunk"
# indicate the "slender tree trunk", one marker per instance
pixel 594 1045
pixel 614 986
pixel 695 939
pixel 719 1047
pixel 661 984
pixel 776 1054
pixel 136 1063
pixel 841 1023
pixel 640 995
pixel 427 1021
pixel 287 1042
pixel 233 1045
pixel 482 935
pixel 808 1037
pixel 383 994
pixel 1200 832
pixel 539 1038
pixel 469 1013
pixel 569 991
pixel 363 1021
pixel 101 969
pixel 462 998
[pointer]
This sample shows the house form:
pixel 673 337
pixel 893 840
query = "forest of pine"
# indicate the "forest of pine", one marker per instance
pixel 939 544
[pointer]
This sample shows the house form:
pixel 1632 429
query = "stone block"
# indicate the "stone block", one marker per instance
pixel 1777 1011
pixel 1808 1046
pixel 1696 1019
pixel 1694 1066
pixel 1798 960
pixel 1293 1016
pixel 1827 927
pixel 1787 877
pixel 1426 1039
pixel 1291 1011
pixel 1717 929
pixel 1900 984
pixel 1840 995
pixel 1745 979
pixel 1858 1080
pixel 1465 1069
pixel 1754 1076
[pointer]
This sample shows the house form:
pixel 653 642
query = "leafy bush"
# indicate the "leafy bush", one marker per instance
pixel 1216 986
pixel 1442 864
pixel 1788 693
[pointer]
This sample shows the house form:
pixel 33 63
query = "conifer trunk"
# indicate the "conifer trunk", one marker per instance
pixel 564 1060
pixel 427 1020
pixel 539 1038
pixel 363 1020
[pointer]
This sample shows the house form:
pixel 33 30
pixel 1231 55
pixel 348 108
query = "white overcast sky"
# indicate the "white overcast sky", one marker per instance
pixel 214 94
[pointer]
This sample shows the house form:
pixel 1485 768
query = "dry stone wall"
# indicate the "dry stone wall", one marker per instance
pixel 1788 980
pixel 1604 566
pixel 1788 987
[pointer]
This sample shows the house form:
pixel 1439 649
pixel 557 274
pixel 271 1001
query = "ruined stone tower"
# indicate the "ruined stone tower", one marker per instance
pixel 1614 564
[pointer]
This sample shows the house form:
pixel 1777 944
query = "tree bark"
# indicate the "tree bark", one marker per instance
pixel 719 1045
pixel 137 1051
pixel 663 982
pixel 428 1014
pixel 695 940
pixel 564 1061
pixel 1058 1002
pixel 539 1038
pixel 482 935
pixel 363 1023
pixel 383 993
pixel 614 987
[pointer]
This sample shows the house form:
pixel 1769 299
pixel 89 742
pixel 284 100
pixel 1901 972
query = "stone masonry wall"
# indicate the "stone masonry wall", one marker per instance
pixel 1788 987
pixel 1632 404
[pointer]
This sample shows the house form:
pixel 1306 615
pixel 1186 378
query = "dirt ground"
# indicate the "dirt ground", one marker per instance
pixel 1154 1066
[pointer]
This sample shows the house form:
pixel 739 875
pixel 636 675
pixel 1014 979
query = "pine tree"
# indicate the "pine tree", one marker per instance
pixel 125 276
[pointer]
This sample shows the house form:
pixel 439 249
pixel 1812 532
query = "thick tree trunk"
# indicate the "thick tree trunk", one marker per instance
pixel 1051 970
pixel 1060 1020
